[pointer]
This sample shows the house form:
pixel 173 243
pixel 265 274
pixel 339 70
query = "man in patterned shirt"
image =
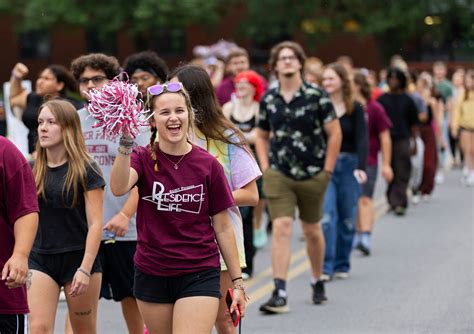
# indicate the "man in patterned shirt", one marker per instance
pixel 297 159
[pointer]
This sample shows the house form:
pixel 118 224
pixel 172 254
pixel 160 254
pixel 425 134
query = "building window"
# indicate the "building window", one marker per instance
pixel 168 41
pixel 35 44
pixel 96 42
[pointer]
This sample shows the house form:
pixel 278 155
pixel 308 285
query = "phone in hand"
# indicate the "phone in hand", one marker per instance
pixel 235 316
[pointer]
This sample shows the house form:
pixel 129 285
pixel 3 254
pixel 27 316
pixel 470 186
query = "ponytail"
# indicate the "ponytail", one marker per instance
pixel 152 147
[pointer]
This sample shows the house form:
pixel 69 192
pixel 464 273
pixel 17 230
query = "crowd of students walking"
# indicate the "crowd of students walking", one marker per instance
pixel 167 221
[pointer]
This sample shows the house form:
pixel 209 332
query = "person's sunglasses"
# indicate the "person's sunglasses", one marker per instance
pixel 172 87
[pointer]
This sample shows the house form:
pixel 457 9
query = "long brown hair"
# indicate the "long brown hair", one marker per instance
pixel 76 153
pixel 468 90
pixel 360 79
pixel 210 119
pixel 151 106
pixel 347 95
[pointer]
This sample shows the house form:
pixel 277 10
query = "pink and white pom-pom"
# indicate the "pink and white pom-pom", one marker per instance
pixel 117 108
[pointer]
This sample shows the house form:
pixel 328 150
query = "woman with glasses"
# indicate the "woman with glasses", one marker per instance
pixel 182 212
pixel 54 81
pixel 217 135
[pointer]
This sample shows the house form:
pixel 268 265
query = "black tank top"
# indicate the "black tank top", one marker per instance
pixel 246 126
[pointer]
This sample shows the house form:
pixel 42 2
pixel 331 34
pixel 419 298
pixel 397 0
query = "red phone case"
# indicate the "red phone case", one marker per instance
pixel 235 316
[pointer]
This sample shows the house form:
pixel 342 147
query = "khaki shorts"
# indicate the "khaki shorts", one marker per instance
pixel 284 194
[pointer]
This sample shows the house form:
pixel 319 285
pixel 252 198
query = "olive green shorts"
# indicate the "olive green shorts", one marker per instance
pixel 284 194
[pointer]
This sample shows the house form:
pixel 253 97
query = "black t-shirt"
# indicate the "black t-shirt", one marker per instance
pixel 62 228
pixel 30 116
pixel 355 138
pixel 403 113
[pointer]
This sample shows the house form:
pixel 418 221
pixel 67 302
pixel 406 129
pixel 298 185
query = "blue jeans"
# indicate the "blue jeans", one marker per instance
pixel 339 214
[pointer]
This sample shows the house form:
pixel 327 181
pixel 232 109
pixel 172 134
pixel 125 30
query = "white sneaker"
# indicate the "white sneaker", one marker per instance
pixel 415 199
pixel 341 275
pixel 439 178
pixel 426 198
pixel 325 278
pixel 470 179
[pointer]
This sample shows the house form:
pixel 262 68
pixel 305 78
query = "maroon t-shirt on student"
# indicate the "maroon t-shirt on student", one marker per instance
pixel 378 122
pixel 175 233
pixel 17 198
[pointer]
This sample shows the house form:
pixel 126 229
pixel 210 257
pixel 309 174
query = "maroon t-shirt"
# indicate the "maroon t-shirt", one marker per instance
pixel 225 89
pixel 378 122
pixel 174 228
pixel 17 199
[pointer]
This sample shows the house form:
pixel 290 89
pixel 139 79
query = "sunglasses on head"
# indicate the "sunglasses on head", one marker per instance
pixel 172 87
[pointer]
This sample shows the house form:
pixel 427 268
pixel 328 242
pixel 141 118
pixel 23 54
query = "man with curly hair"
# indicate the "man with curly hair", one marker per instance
pixel 145 69
pixel 119 238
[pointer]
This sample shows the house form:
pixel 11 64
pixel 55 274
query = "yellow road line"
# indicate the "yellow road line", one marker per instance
pixel 294 272
pixel 268 272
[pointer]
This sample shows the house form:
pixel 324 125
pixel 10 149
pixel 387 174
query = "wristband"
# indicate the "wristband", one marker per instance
pixel 239 287
pixel 126 142
pixel 124 150
pixel 84 272
pixel 124 215
pixel 236 279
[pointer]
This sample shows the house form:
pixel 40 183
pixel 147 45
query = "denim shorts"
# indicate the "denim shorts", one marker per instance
pixel 167 290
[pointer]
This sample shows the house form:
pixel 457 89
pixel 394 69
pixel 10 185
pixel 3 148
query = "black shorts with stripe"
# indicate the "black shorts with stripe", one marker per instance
pixel 13 323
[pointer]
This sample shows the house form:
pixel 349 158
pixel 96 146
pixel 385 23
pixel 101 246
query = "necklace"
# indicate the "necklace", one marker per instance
pixel 175 164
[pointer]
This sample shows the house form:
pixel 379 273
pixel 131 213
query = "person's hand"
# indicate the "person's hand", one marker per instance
pixel 360 176
pixel 454 133
pixel 15 271
pixel 20 71
pixel 387 173
pixel 118 224
pixel 80 283
pixel 239 299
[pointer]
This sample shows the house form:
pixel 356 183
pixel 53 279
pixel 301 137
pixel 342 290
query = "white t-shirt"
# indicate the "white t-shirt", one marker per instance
pixel 104 151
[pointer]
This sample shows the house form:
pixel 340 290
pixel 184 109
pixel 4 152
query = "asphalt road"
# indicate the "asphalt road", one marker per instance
pixel 419 278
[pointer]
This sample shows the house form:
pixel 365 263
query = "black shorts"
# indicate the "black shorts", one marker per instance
pixel 117 269
pixel 13 323
pixel 167 290
pixel 60 267
pixel 367 188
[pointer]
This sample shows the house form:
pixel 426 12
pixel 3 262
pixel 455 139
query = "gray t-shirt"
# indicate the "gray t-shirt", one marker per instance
pixel 104 151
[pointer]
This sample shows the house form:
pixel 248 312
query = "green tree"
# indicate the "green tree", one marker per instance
pixel 392 22
pixel 445 24
pixel 110 16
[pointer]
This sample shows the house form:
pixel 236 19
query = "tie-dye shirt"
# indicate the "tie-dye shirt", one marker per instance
pixel 240 169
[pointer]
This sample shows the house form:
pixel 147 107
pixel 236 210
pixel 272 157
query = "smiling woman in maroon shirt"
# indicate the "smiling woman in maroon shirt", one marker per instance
pixel 182 219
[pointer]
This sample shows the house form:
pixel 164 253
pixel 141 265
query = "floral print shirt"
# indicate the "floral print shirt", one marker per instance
pixel 298 140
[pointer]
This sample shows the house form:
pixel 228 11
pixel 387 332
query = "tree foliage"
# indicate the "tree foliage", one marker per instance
pixel 110 16
pixel 394 21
